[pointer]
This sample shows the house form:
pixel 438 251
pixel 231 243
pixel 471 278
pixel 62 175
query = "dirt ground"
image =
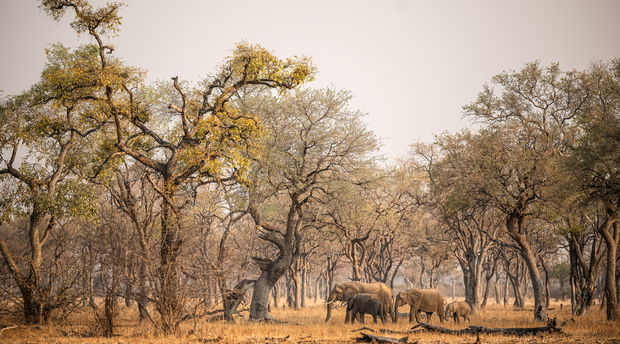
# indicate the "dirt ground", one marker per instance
pixel 308 326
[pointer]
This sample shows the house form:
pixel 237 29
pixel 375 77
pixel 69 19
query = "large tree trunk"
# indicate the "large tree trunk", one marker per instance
pixel 270 274
pixel 289 247
pixel 611 235
pixel 472 276
pixel 29 284
pixel 168 304
pixel 33 309
pixel 514 225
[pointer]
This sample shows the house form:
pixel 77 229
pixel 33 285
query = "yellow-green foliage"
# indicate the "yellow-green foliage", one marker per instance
pixel 256 64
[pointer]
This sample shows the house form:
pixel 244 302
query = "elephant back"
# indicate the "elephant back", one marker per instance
pixel 430 299
pixel 383 292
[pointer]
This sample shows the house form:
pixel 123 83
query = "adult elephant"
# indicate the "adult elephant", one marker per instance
pixel 344 291
pixel 421 300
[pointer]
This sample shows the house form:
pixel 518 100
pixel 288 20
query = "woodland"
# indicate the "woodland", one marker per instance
pixel 230 198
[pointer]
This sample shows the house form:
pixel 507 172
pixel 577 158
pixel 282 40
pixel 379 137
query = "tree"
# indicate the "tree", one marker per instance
pixel 517 155
pixel 205 134
pixel 470 224
pixel 131 193
pixel 595 163
pixel 48 132
pixel 315 143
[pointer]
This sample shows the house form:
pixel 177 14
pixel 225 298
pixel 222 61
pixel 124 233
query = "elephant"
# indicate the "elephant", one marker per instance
pixel 344 291
pixel 365 303
pixel 425 300
pixel 458 309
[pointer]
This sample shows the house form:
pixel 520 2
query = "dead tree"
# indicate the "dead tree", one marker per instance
pixel 552 327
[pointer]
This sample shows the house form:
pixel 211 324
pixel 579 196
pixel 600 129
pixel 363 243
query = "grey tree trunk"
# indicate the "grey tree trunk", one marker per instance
pixel 611 235
pixel 514 224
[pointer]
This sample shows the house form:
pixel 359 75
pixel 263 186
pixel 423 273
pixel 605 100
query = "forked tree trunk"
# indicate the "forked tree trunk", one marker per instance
pixel 289 245
pixel 270 274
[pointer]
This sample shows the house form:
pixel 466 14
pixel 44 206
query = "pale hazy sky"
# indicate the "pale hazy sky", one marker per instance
pixel 411 65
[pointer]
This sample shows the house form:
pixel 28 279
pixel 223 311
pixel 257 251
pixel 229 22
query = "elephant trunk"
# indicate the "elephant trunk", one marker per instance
pixel 333 297
pixel 329 310
pixel 395 314
pixel 448 312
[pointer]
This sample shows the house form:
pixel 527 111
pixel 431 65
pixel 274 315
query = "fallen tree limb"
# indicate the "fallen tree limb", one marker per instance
pixel 551 327
pixel 364 329
pixel 383 330
pixel 371 338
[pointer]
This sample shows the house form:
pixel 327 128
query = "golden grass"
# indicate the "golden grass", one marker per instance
pixel 308 326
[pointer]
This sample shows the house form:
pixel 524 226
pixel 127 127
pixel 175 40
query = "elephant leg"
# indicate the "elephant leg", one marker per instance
pixel 417 316
pixel 374 318
pixel 411 315
pixel 455 317
pixel 429 317
pixel 346 316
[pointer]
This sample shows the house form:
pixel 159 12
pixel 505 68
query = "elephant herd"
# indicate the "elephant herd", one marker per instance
pixel 377 299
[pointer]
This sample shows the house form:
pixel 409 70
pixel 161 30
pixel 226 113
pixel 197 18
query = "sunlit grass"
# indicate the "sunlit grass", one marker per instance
pixel 308 326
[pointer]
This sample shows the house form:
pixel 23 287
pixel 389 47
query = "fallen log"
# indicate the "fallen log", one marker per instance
pixel 371 338
pixel 551 327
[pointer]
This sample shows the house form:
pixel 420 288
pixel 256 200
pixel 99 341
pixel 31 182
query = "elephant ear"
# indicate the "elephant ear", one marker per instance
pixel 348 292
pixel 399 300
pixel 412 295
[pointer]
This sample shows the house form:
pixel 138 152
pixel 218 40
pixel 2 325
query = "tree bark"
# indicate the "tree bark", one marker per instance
pixel 496 288
pixel 472 277
pixel 168 304
pixel 28 284
pixel 611 234
pixel 289 245
pixel 514 224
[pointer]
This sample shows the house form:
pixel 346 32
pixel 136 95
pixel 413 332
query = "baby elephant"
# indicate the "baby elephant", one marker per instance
pixel 365 303
pixel 458 309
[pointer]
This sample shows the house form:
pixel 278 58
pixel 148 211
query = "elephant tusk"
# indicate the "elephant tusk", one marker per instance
pixel 328 302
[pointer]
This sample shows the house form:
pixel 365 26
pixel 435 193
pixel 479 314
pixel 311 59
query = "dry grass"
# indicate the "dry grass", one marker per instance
pixel 308 326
